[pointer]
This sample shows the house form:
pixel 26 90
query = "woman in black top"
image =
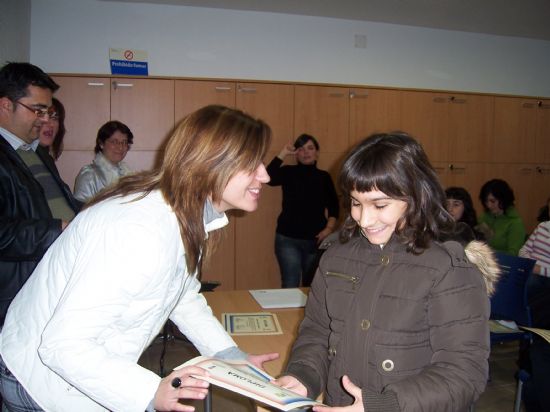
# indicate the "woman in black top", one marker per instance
pixel 309 213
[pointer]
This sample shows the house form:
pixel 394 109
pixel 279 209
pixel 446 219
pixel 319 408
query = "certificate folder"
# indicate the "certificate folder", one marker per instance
pixel 279 298
pixel 244 378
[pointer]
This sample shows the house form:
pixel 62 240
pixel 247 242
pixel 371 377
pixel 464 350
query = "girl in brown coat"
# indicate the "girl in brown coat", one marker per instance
pixel 396 319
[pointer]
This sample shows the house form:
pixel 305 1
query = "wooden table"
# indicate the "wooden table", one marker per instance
pixel 240 301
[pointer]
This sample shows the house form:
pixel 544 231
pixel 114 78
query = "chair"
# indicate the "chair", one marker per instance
pixel 509 302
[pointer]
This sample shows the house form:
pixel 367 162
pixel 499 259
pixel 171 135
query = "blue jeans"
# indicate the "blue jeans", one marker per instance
pixel 297 260
pixel 15 397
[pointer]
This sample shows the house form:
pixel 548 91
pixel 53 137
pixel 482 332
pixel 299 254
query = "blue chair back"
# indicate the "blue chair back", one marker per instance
pixel 509 302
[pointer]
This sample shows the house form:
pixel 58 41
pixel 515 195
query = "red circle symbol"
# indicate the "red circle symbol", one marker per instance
pixel 128 54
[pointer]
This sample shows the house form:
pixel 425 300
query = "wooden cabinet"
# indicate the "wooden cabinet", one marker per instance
pixel 191 95
pixel 373 111
pixel 469 138
pixel 451 127
pixel 522 130
pixel 146 106
pixel 87 107
pixel 323 112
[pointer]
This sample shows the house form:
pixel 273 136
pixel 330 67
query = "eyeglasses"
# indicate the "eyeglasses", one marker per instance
pixel 118 143
pixel 41 113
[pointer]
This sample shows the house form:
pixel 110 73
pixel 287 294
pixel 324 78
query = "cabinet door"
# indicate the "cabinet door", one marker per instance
pixel 469 127
pixel 255 262
pixel 146 106
pixel 373 111
pixel 542 136
pixel 515 128
pixel 87 107
pixel 423 116
pixel 191 95
pixel 273 103
pixel 323 112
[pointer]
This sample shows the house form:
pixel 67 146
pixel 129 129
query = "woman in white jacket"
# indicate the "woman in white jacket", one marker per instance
pixel 127 263
pixel 113 141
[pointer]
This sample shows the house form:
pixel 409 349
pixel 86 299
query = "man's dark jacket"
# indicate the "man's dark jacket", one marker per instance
pixel 27 227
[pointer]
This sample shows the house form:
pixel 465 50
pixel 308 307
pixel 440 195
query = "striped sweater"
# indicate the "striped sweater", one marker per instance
pixel 538 247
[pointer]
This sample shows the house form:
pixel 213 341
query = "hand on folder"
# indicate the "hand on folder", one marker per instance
pixel 259 360
pixel 168 396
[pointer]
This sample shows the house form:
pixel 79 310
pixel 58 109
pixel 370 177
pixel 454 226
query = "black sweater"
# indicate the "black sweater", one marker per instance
pixel 307 193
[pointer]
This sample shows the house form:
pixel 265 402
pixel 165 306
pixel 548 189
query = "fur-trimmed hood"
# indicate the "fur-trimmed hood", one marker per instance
pixel 481 255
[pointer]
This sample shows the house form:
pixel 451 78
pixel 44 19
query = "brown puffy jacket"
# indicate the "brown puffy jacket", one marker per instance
pixel 410 330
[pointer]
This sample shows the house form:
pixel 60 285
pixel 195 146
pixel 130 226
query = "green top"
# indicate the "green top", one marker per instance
pixel 508 231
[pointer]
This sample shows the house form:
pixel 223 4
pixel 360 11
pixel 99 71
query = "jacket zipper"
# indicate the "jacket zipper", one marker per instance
pixel 353 279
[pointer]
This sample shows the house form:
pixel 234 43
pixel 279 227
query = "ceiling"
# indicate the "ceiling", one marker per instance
pixel 517 18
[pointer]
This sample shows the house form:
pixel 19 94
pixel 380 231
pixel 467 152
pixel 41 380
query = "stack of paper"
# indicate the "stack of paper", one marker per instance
pixel 279 298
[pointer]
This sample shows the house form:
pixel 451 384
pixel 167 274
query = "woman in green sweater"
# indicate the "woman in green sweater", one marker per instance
pixel 501 222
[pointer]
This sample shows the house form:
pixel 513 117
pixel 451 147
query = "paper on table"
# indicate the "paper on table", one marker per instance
pixel 499 326
pixel 543 333
pixel 261 323
pixel 279 298
pixel 244 378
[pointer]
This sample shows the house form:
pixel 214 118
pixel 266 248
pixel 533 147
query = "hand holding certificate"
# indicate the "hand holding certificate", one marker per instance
pixel 246 379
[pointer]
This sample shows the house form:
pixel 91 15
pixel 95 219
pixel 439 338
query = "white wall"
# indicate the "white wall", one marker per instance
pixel 15 23
pixel 74 36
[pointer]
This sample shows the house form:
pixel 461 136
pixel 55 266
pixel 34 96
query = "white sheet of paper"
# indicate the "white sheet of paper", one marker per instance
pixel 279 298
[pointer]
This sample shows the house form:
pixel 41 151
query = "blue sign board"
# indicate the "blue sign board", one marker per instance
pixel 129 67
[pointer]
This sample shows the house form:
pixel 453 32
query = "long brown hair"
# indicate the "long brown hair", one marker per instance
pixel 206 149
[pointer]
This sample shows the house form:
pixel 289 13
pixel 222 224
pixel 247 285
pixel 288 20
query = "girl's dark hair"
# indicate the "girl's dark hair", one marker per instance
pixel 469 216
pixel 395 164
pixel 500 190
pixel 108 129
pixel 57 144
pixel 303 139
pixel 544 215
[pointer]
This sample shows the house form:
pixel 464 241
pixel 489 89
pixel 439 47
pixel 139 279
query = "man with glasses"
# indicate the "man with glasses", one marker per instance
pixel 35 204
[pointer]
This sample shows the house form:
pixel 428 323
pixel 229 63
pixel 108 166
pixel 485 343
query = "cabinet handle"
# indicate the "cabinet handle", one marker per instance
pixel 439 169
pixel 247 89
pixel 452 168
pixel 335 94
pixel 527 105
pixel 222 88
pixel 525 170
pixel 353 95
pixel 544 106
pixel 542 170
pixel 96 84
pixel 453 99
pixel 117 85
pixel 439 100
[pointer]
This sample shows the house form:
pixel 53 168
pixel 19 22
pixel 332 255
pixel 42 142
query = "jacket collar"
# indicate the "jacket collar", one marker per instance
pixel 118 170
pixel 16 142
pixel 212 218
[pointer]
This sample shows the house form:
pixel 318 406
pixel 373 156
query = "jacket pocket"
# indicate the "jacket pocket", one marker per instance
pixel 352 280
pixel 396 362
pixel 340 294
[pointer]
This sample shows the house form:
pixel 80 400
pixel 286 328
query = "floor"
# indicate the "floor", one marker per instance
pixel 498 397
